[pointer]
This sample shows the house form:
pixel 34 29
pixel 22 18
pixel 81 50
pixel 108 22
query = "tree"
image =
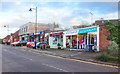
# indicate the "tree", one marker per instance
pixel 114 29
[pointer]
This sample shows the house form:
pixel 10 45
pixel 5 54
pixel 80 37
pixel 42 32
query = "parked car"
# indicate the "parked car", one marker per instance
pixel 38 44
pixel 28 44
pixel 13 44
pixel 18 43
pixel 23 43
pixel 32 43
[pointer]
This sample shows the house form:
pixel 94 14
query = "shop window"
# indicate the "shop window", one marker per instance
pixel 92 39
pixel 54 40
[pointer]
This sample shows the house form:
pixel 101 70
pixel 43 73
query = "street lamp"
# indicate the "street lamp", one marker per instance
pixel 35 24
pixel 7 29
pixel 91 17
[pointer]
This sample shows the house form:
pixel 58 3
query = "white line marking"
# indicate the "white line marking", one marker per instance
pixel 55 67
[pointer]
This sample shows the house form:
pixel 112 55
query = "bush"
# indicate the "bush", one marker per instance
pixel 112 49
pixel 58 44
pixel 106 58
pixel 48 46
pixel 41 46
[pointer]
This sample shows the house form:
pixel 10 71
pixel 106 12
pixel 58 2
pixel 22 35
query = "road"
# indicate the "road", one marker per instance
pixel 17 60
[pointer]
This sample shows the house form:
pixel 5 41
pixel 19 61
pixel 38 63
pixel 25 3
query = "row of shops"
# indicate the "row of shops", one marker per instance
pixel 39 37
pixel 84 38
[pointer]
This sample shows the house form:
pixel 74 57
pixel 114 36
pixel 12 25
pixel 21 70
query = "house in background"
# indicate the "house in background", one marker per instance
pixel 6 40
pixel 14 37
pixel 101 22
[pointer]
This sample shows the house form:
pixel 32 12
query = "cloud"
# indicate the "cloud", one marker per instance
pixel 64 13
pixel 17 3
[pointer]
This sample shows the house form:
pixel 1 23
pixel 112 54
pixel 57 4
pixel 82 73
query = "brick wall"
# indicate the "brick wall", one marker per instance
pixel 103 42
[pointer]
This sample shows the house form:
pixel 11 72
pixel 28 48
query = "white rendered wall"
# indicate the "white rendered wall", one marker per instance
pixel 97 38
pixel 64 40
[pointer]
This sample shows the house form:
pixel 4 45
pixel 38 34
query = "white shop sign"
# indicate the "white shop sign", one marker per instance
pixel 74 32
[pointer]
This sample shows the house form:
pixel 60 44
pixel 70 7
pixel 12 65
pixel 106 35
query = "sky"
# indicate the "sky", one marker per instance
pixel 66 14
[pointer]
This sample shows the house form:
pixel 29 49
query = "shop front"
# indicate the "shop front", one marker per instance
pixel 85 38
pixel 47 38
pixel 55 38
pixel 70 39
pixel 24 38
pixel 88 38
pixel 32 36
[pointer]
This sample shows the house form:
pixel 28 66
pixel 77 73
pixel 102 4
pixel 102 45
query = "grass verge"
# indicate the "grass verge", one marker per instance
pixel 107 58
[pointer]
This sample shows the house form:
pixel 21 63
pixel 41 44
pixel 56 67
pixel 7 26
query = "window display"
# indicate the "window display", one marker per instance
pixel 54 40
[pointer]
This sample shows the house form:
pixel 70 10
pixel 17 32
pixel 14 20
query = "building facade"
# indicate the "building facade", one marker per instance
pixel 14 37
pixel 90 39
pixel 55 38
pixel 27 32
pixel 6 40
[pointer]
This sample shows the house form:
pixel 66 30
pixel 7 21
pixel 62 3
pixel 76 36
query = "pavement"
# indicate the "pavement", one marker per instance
pixel 22 59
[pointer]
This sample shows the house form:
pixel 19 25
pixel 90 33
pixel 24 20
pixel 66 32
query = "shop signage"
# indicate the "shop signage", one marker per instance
pixel 38 33
pixel 87 30
pixel 75 32
pixel 55 34
pixel 31 34
pixel 46 34
pixel 35 34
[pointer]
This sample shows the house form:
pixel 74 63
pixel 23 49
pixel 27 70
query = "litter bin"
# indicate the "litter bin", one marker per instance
pixel 44 46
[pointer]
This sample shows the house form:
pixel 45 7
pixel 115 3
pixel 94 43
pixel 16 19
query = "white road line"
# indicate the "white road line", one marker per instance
pixel 55 67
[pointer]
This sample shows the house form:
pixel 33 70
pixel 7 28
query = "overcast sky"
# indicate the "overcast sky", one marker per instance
pixel 64 13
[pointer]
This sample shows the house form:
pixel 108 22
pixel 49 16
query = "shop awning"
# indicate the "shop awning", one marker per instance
pixel 35 33
pixel 56 34
pixel 87 30
pixel 73 32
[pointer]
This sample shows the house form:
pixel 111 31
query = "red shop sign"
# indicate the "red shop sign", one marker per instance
pixel 55 34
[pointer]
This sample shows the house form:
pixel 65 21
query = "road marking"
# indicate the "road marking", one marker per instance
pixel 55 67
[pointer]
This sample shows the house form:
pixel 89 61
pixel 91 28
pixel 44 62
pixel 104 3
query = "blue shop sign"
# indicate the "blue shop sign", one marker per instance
pixel 87 30
pixel 47 35
pixel 40 32
pixel 31 34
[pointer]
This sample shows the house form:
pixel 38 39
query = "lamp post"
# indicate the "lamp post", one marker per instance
pixel 35 24
pixel 7 27
pixel 91 17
